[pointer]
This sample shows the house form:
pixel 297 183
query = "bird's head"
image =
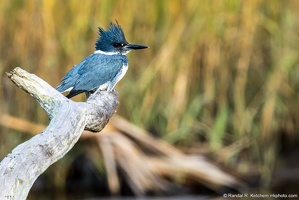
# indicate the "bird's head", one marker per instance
pixel 113 41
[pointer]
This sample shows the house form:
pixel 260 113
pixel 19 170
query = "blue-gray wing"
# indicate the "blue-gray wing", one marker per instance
pixel 98 70
pixel 94 71
pixel 69 80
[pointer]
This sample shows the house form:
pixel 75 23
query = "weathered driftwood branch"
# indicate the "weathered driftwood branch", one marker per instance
pixel 20 168
pixel 157 166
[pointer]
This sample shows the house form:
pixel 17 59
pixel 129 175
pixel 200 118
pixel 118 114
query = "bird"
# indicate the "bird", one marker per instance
pixel 104 68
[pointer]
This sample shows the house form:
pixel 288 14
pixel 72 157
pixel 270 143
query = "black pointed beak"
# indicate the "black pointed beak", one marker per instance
pixel 135 46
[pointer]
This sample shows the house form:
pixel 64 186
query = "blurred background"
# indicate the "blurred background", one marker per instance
pixel 219 80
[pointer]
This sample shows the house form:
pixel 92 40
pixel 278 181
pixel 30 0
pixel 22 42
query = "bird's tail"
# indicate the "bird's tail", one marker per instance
pixel 74 93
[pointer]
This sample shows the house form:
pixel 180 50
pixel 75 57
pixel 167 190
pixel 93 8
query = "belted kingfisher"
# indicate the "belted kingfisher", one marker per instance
pixel 102 69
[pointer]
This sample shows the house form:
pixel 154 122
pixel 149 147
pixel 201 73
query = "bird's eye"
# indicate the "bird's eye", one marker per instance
pixel 117 44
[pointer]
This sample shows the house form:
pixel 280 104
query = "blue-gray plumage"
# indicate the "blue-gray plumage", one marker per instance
pixel 102 69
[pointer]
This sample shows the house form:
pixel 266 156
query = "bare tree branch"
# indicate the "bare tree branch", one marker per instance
pixel 20 168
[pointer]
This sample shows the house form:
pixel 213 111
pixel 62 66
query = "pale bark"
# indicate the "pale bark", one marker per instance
pixel 20 168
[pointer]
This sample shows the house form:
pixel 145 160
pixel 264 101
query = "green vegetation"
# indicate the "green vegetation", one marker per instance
pixel 223 74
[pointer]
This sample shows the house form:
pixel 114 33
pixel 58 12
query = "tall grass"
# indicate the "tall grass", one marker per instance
pixel 223 73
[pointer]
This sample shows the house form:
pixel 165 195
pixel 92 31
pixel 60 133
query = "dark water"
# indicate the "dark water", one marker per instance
pixel 89 186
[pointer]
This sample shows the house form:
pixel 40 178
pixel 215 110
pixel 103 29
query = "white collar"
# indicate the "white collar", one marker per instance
pixel 109 53
pixel 105 53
